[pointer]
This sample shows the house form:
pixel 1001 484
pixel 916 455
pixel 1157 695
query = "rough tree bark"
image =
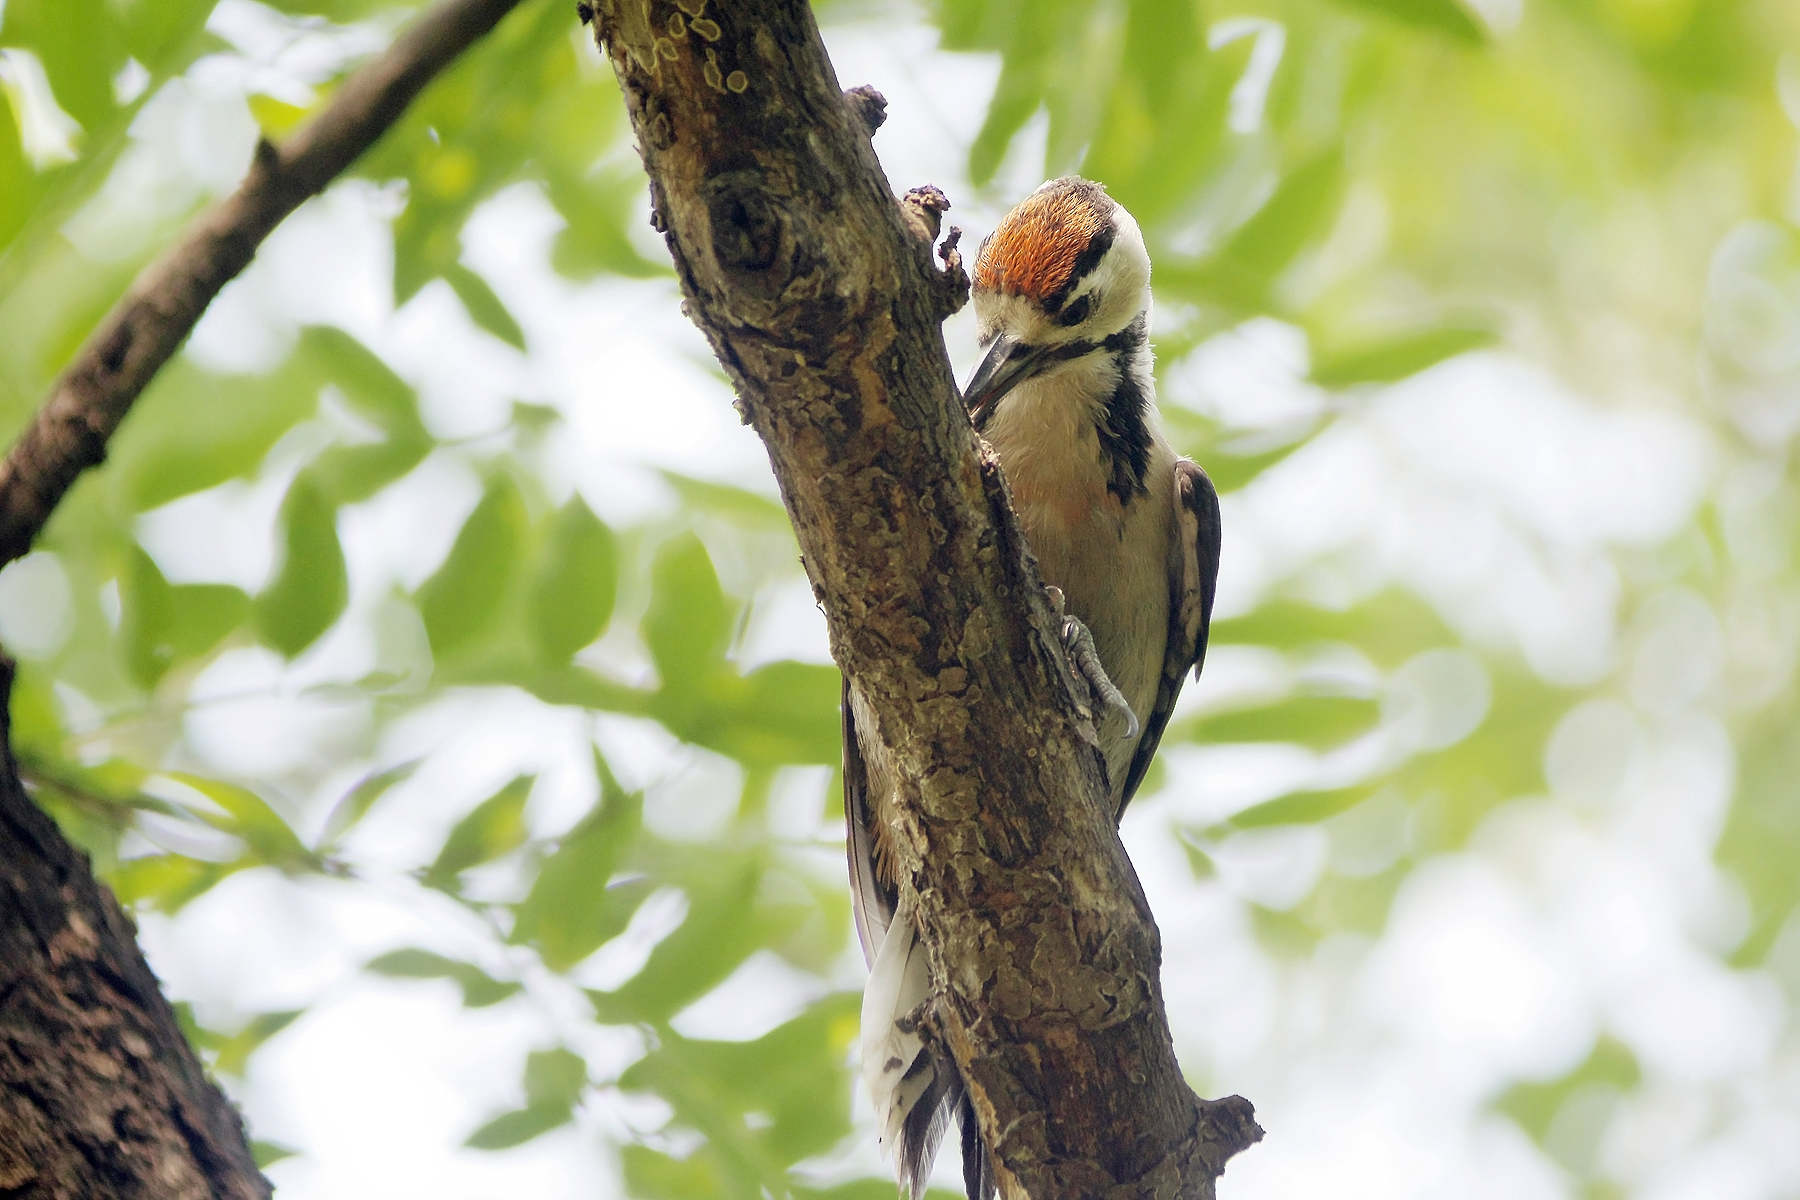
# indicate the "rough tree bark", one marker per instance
pixel 820 298
pixel 100 1094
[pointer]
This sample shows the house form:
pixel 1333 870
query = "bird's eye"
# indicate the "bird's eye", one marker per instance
pixel 1077 310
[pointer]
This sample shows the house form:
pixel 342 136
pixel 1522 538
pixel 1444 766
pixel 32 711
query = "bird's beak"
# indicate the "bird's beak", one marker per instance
pixel 1009 363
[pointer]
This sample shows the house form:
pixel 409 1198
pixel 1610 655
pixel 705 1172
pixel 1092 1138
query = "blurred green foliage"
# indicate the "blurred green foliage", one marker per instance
pixel 1394 177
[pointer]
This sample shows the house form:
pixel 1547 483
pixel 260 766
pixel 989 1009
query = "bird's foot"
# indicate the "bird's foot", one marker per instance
pixel 1079 643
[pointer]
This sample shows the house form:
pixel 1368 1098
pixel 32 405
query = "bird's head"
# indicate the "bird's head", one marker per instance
pixel 1063 277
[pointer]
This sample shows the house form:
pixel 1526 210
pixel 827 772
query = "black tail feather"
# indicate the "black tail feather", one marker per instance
pixel 978 1168
pixel 923 1128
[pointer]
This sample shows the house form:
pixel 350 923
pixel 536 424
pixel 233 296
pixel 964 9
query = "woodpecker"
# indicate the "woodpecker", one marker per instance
pixel 1126 535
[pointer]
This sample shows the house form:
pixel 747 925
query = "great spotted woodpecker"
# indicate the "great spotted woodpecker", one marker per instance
pixel 1125 533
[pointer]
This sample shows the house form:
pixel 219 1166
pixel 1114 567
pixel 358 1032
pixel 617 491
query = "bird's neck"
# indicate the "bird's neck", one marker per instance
pixel 1085 423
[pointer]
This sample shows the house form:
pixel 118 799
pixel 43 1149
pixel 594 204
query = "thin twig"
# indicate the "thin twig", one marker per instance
pixel 149 324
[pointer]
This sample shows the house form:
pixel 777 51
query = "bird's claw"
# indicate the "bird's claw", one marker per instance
pixel 1078 642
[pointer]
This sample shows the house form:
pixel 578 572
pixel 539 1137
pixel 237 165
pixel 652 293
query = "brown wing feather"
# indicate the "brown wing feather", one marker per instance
pixel 873 904
pixel 1193 577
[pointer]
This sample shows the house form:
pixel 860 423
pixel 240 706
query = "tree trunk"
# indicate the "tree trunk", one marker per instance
pixel 818 293
pixel 100 1095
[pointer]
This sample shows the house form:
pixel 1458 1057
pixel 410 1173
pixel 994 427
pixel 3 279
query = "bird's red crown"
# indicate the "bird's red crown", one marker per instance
pixel 1035 249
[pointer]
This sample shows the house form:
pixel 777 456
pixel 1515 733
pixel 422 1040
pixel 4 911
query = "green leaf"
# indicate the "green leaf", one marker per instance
pixel 576 583
pixel 1317 721
pixel 554 1077
pixel 535 419
pixel 1450 17
pixel 161 625
pixel 654 1175
pixel 1389 627
pixel 1297 212
pixel 597 204
pixel 1301 808
pixel 763 1104
pixel 485 991
pixel 192 429
pixel 1230 471
pixel 368 383
pixel 166 882
pixel 554 1081
pixel 484 307
pixel 517 102
pixel 267 1154
pixel 161 36
pixel 311 585
pixel 234 1053
pixel 360 799
pixel 80 83
pixel 516 1128
pixel 459 602
pixel 1167 129
pixel 738 505
pixel 413 963
pixel 36 728
pixel 1020 92
pixel 340 11
pixel 1534 1105
pixel 1397 357
pixel 1285 935
pixel 496 826
pixel 478 987
pixel 144 619
pixel 689 623
pixel 722 929
pixel 582 688
pixel 780 713
pixel 352 473
pixel 1761 839
pixel 864 1189
pixel 570 911
pixel 1502 759
pixel 248 816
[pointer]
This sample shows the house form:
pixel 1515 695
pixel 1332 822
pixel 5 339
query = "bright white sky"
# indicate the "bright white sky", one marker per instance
pixel 1486 485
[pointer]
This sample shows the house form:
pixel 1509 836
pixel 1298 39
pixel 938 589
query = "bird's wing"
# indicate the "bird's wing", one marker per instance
pixel 874 906
pixel 1193 577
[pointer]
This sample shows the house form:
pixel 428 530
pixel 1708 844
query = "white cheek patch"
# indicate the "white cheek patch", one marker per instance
pixel 997 313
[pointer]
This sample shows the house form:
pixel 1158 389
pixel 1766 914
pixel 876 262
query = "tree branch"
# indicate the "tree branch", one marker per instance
pixel 100 1094
pixel 147 326
pixel 818 293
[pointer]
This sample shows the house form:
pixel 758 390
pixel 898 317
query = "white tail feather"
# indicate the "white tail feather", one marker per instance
pixel 909 1082
pixel 898 984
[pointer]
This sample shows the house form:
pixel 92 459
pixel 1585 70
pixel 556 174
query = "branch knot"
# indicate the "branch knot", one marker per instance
pixel 868 106
pixel 922 210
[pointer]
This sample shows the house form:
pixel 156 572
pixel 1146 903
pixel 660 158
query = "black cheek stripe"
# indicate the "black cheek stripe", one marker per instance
pixel 1085 262
pixel 1124 433
pixel 1124 429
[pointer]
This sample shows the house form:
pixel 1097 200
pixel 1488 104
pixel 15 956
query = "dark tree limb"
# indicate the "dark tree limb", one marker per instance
pixel 100 1094
pixel 820 297
pixel 144 330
